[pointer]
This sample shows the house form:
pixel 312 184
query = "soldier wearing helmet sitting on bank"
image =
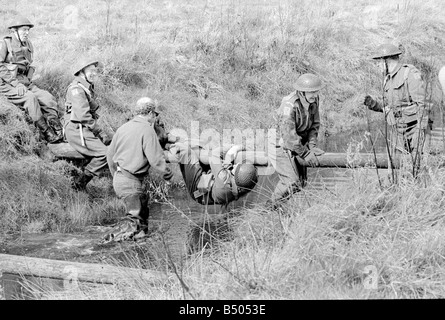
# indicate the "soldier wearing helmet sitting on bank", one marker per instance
pixel 223 183
pixel 403 102
pixel 81 128
pixel 16 72
pixel 298 123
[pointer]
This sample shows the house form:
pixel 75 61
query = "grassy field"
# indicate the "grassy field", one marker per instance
pixel 227 64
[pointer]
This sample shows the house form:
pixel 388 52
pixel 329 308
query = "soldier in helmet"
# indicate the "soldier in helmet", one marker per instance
pixel 16 72
pixel 134 150
pixel 298 121
pixel 406 112
pixel 222 181
pixel 81 128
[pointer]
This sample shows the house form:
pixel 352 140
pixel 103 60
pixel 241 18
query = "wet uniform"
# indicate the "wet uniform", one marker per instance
pixel 218 191
pixel 135 148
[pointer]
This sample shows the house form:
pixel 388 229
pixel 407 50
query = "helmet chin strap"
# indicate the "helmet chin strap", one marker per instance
pixel 386 70
pixel 304 95
pixel 18 35
pixel 85 76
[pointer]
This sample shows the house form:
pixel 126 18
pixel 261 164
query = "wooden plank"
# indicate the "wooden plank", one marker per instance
pixel 342 160
pixel 329 160
pixel 85 272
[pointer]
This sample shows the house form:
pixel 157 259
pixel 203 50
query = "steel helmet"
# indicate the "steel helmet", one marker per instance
pixel 386 50
pixel 82 64
pixel 20 21
pixel 246 176
pixel 308 82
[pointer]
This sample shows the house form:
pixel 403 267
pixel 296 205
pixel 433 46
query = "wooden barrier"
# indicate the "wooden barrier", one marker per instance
pixel 329 160
pixel 260 158
pixel 84 272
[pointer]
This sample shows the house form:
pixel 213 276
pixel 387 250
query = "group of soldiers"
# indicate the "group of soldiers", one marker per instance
pixel 139 144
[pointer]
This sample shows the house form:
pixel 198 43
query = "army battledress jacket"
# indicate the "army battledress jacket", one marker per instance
pixel 81 127
pixel 298 123
pixel 404 95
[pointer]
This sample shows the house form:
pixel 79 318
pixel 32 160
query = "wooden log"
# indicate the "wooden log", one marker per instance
pixel 328 160
pixel 85 272
pixel 259 158
pixel 341 160
pixel 65 151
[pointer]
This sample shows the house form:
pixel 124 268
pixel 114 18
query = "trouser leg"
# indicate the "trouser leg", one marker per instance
pixel 27 102
pixel 97 164
pixel 47 102
pixel 137 206
pixel 132 193
pixel 290 176
pixel 191 169
pixel 48 105
pixel 92 148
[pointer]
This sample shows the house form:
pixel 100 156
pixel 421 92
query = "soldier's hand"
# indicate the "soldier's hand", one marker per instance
pixel 311 159
pixel 21 89
pixel 168 174
pixel 106 140
pixel 369 102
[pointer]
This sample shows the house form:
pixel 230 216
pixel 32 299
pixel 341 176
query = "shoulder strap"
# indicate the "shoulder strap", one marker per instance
pixel 88 92
pixel 30 46
pixel 405 81
pixel 7 41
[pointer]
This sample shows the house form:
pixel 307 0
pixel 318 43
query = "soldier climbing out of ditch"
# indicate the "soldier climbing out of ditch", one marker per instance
pixel 82 130
pixel 404 105
pixel 298 124
pixel 16 74
pixel 223 182
pixel 134 150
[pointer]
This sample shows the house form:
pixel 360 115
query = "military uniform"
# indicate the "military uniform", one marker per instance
pixel 202 182
pixel 406 112
pixel 81 129
pixel 15 68
pixel 298 122
pixel 133 151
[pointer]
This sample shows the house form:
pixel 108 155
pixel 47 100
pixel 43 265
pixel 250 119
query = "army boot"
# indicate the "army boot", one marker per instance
pixel 55 124
pixel 80 182
pixel 47 131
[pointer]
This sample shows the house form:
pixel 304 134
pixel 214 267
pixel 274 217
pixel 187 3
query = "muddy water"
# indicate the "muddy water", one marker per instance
pixel 171 219
pixel 170 226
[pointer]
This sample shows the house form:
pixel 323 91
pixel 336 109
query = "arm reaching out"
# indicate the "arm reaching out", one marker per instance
pixel 231 154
